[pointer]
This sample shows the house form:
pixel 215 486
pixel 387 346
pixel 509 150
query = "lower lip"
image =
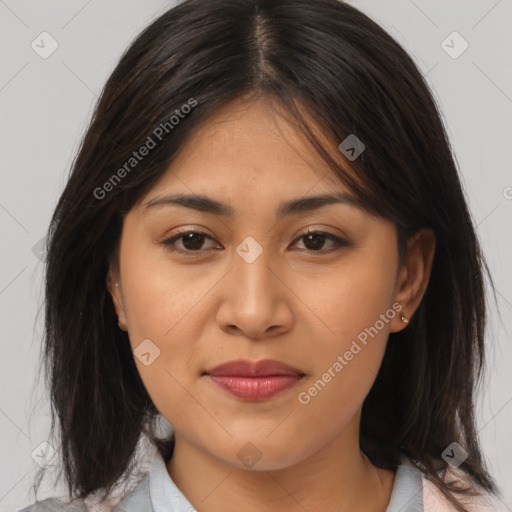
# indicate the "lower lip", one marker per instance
pixel 255 388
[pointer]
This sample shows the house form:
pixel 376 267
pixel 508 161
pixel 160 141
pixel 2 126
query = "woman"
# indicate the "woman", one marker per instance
pixel 264 241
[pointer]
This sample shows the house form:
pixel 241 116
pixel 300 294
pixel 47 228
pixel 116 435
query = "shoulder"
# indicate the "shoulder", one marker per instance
pixel 54 505
pixel 435 501
pixel 137 498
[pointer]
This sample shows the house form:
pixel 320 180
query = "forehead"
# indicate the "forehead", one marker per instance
pixel 249 148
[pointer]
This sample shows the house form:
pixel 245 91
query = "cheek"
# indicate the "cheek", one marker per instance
pixel 352 297
pixel 355 306
pixel 344 371
pixel 158 295
pixel 159 309
pixel 158 303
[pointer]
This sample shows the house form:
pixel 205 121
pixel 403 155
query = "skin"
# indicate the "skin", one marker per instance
pixel 300 302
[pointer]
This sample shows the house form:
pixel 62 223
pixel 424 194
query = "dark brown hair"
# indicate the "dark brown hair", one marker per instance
pixel 324 61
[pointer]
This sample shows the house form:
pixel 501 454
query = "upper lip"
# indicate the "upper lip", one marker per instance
pixel 245 368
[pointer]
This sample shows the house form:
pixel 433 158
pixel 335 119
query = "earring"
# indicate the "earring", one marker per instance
pixel 117 284
pixel 404 319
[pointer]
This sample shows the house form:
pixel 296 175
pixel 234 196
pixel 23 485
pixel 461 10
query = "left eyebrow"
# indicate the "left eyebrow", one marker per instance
pixel 300 205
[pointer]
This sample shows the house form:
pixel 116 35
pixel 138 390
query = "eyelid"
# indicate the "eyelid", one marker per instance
pixel 168 241
pixel 340 241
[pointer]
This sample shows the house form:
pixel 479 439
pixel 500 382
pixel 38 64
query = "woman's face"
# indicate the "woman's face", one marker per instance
pixel 256 287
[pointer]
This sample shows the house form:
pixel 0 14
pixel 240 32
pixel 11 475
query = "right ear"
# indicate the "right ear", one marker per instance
pixel 115 290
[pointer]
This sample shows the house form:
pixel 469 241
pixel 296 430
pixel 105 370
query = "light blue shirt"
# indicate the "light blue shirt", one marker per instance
pixel 156 492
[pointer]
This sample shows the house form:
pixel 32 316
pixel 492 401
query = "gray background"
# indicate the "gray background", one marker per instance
pixel 46 105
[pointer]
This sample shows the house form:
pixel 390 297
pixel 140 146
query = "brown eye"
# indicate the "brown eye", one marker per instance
pixel 192 241
pixel 315 240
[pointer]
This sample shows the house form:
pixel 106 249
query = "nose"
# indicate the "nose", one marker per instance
pixel 256 301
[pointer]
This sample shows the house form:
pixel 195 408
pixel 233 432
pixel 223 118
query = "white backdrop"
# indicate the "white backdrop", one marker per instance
pixel 46 104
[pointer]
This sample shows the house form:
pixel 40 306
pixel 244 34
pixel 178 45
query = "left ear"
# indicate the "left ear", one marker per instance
pixel 414 276
pixel 114 288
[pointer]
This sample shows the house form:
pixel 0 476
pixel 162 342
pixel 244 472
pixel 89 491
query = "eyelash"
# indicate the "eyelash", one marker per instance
pixel 339 242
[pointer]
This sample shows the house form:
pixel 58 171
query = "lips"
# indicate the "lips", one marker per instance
pixel 254 381
pixel 263 368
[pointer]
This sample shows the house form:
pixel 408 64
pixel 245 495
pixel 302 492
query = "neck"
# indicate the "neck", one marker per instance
pixel 338 477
